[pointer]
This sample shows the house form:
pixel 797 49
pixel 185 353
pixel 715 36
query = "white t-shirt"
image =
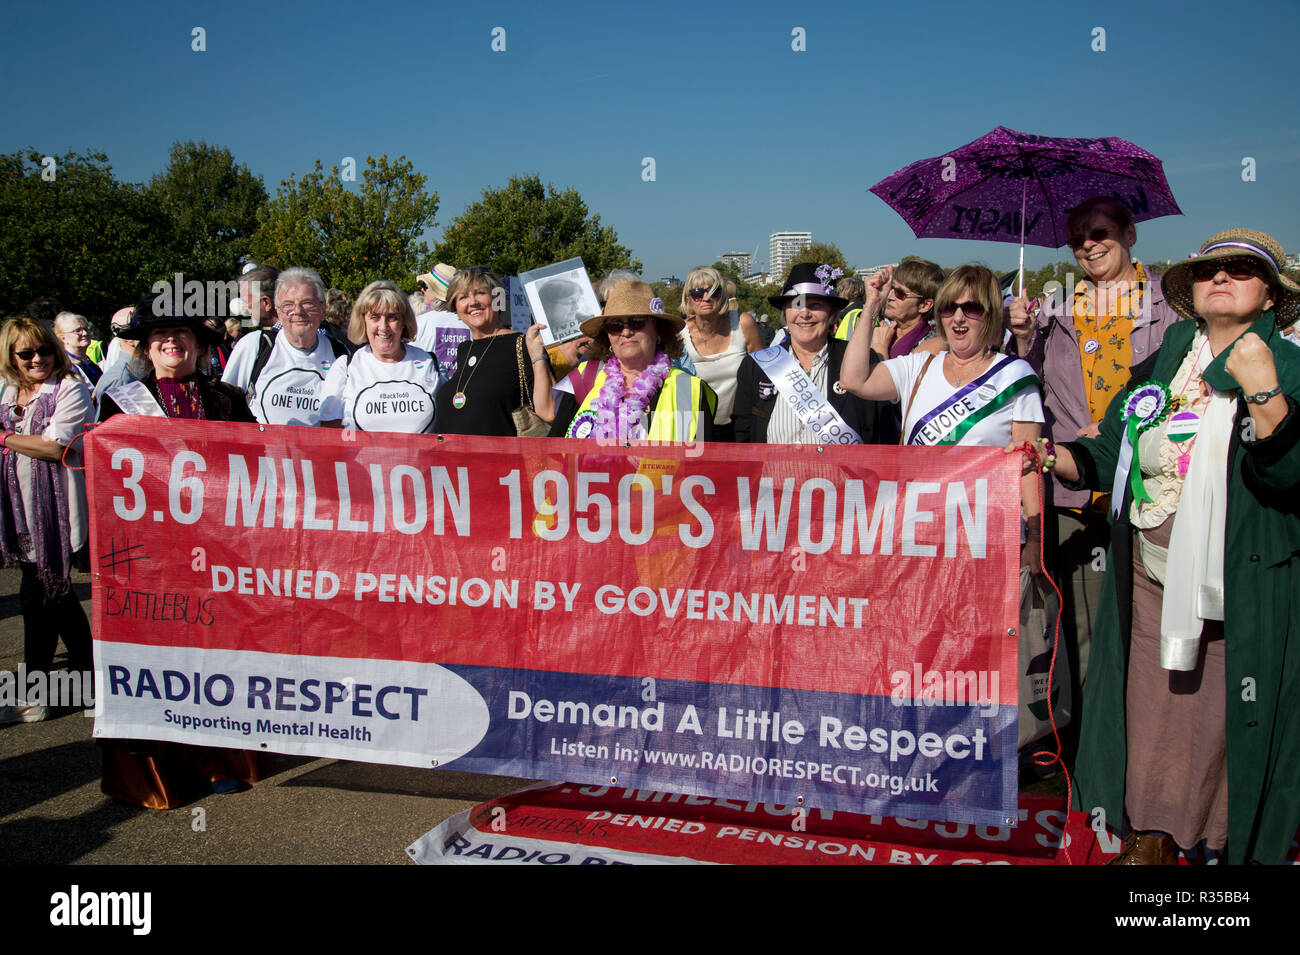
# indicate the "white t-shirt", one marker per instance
pixel 289 388
pixel 993 431
pixel 372 395
pixel 440 334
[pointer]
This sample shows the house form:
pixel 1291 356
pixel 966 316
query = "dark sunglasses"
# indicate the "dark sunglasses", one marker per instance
pixel 1239 269
pixel 972 310
pixel 700 294
pixel 27 354
pixel 902 294
pixel 616 326
pixel 1099 234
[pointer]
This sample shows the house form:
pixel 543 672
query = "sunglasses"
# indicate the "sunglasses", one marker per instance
pixel 1099 234
pixel 27 354
pixel 972 310
pixel 1239 269
pixel 700 294
pixel 616 326
pixel 902 294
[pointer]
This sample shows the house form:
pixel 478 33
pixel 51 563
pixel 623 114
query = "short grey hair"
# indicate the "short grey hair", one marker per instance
pixel 67 318
pixel 300 276
pixel 606 285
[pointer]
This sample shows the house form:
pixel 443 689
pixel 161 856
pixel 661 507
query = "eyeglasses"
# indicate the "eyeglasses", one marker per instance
pixel 972 310
pixel 902 294
pixel 1099 234
pixel 308 305
pixel 700 294
pixel 27 354
pixel 1239 269
pixel 616 326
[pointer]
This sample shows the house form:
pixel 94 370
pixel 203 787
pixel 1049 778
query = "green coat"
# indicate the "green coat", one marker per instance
pixel 1261 611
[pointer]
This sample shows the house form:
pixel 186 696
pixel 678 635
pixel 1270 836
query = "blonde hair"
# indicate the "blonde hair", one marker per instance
pixel 702 276
pixel 983 287
pixel 16 329
pixel 381 294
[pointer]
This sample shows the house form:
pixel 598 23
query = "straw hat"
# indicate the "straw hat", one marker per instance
pixel 633 299
pixel 437 280
pixel 1236 244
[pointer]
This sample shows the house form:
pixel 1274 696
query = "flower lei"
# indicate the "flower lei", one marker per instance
pixel 618 411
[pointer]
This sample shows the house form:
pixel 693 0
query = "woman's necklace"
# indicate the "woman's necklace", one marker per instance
pixel 458 400
pixel 961 375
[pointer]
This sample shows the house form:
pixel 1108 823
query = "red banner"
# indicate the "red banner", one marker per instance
pixel 835 625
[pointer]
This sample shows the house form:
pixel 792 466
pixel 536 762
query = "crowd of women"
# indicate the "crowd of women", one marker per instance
pixel 1164 413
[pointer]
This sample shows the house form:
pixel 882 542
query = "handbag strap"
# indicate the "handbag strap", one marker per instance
pixel 912 397
pixel 525 393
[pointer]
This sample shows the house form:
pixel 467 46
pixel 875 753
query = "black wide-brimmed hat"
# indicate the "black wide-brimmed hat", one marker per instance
pixel 153 312
pixel 808 279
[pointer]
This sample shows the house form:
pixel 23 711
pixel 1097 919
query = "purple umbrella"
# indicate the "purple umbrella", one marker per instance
pixel 1010 186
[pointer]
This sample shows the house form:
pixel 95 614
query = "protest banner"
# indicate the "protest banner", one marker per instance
pixel 563 824
pixel 824 627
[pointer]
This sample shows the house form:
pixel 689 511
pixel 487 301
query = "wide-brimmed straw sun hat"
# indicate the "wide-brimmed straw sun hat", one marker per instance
pixel 632 299
pixel 437 280
pixel 1236 244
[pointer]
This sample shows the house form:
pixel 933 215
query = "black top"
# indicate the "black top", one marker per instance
pixel 876 421
pixel 221 402
pixel 491 387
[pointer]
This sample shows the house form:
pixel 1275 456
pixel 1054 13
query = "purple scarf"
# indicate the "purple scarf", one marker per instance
pixel 49 535
pixel 903 346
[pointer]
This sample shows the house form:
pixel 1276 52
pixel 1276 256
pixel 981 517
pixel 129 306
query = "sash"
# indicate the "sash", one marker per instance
pixel 948 423
pixel 798 391
pixel 134 398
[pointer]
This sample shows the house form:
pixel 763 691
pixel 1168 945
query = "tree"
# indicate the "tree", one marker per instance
pixel 76 233
pixel 351 237
pixel 527 225
pixel 212 205
pixel 819 253
pixel 1065 274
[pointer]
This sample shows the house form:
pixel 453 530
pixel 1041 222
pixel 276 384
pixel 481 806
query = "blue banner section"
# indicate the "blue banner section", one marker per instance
pixel 860 754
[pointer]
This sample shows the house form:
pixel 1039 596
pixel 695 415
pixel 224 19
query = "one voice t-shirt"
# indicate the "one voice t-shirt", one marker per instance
pixel 440 334
pixel 993 431
pixel 372 395
pixel 288 389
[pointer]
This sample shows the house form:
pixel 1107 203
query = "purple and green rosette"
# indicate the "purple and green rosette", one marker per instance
pixel 1144 408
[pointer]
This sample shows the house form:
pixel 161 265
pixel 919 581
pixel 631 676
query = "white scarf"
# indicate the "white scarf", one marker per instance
pixel 1194 576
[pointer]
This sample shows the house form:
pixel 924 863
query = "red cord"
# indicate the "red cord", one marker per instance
pixel 1048 758
pixel 86 429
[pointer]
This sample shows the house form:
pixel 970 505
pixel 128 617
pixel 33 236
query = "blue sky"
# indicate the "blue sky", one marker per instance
pixel 748 136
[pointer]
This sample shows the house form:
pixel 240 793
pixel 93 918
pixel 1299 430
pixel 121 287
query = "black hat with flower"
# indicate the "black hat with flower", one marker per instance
pixel 808 279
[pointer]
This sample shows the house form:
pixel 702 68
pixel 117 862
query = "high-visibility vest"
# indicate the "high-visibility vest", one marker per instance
pixel 847 324
pixel 676 413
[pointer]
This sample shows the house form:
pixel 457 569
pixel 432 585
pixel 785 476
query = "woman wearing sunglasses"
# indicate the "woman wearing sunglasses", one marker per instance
pixel 1084 346
pixel 965 394
pixel 43 513
pixel 1191 728
pixel 716 342
pixel 627 389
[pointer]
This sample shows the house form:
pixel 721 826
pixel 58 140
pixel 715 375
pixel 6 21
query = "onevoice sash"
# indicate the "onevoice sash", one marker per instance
pixel 133 397
pixel 808 403
pixel 971 404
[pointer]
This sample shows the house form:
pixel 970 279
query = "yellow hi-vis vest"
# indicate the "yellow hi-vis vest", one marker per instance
pixel 849 322
pixel 676 413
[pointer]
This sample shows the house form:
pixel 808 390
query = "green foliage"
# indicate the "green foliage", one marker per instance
pixel 212 205
pixel 91 242
pixel 819 253
pixel 350 236
pixel 749 298
pixel 527 225
pixel 1066 274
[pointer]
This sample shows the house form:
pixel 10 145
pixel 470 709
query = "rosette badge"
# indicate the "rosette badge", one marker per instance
pixel 1144 408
